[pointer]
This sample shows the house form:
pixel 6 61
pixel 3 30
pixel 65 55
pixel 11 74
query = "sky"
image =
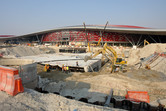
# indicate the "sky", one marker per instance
pixel 19 17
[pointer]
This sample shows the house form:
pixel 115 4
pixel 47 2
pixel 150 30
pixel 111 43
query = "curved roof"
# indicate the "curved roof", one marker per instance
pixel 117 26
pixel 110 28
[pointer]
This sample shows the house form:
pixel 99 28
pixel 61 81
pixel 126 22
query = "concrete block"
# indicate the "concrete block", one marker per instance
pixel 28 72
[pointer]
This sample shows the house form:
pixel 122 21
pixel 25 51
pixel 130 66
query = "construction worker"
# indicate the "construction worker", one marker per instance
pixel 63 68
pixel 46 68
pixel 77 63
pixel 67 69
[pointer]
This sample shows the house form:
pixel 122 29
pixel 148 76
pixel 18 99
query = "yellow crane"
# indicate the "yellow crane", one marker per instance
pixel 110 54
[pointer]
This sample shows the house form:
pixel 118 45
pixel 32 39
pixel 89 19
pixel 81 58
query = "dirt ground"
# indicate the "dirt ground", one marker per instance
pixel 135 80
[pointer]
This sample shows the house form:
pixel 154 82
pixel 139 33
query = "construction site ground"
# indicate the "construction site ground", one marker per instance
pixel 133 80
pixel 93 86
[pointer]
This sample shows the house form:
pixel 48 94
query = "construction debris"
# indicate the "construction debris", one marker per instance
pixel 35 101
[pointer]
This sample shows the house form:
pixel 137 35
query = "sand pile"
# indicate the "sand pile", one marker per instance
pixel 135 55
pixel 150 49
pixel 31 100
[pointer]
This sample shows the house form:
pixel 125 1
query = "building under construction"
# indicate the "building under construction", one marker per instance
pixel 118 35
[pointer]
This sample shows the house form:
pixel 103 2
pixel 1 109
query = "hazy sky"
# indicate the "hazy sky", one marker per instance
pixel 19 17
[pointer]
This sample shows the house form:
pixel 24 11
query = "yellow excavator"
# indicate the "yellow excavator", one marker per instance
pixel 110 54
pixel 146 42
pixel 98 44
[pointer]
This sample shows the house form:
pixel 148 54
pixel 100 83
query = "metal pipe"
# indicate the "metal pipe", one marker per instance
pixel 107 103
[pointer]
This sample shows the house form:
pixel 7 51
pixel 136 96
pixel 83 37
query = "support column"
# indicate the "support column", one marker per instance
pixel 152 38
pixel 139 40
pixel 42 39
pixel 37 38
pixel 129 40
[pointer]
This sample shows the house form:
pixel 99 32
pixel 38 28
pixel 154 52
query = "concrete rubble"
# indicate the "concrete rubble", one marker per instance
pixel 72 89
pixel 31 100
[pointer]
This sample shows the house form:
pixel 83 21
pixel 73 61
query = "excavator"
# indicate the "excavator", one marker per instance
pixel 110 54
pixel 146 42
pixel 98 44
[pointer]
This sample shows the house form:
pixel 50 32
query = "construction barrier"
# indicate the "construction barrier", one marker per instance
pixel 137 96
pixel 10 81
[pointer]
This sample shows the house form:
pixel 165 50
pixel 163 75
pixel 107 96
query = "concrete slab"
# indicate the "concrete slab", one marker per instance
pixel 68 59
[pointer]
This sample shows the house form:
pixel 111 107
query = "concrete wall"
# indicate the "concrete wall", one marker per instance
pixel 15 62
pixel 28 74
